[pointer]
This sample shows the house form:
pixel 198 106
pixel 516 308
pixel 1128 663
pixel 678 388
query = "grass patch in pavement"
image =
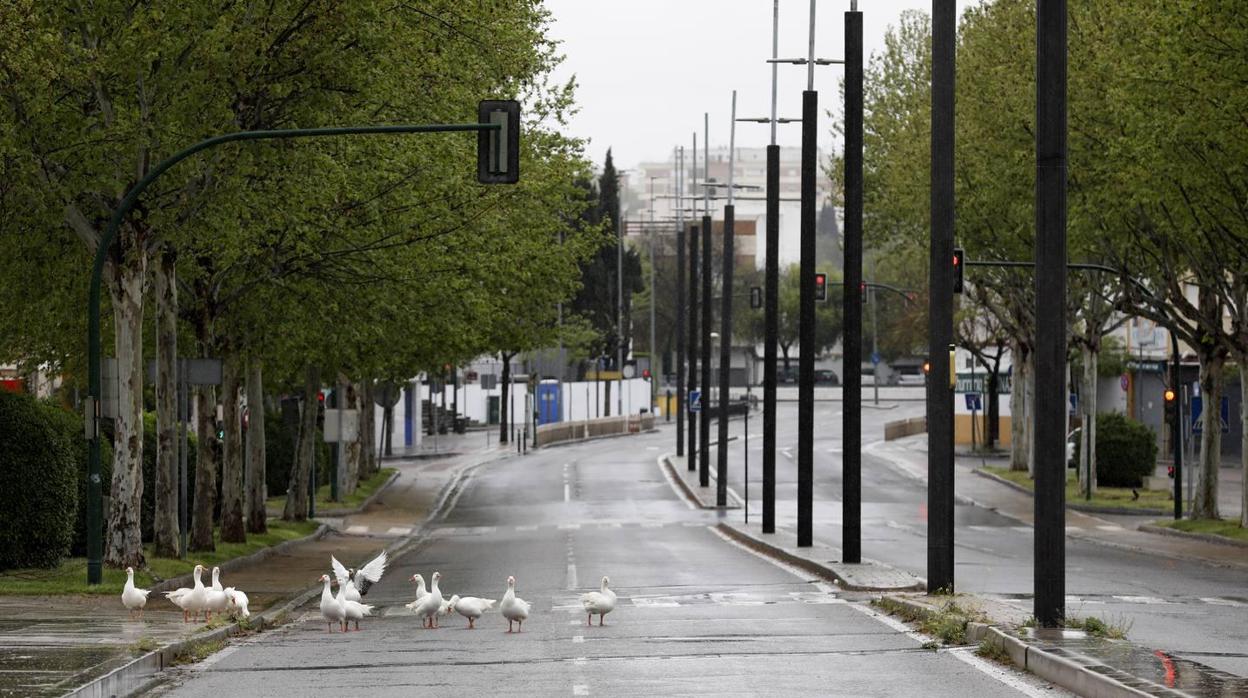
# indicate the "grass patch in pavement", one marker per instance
pixel 198 651
pixel 993 651
pixel 351 501
pixel 1112 497
pixel 1099 627
pixel 1217 527
pixel 70 577
pixel 946 622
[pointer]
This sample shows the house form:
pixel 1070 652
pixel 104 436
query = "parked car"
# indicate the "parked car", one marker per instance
pixel 784 375
pixel 826 377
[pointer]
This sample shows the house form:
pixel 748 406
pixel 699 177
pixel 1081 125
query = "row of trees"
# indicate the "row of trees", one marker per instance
pixel 1157 183
pixel 298 263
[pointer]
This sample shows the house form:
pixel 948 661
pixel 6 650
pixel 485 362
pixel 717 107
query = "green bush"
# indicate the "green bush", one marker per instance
pixel 279 451
pixel 70 424
pixel 148 512
pixel 37 481
pixel 1126 451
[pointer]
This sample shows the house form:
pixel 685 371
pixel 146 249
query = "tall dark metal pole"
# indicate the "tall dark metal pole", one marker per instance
pixel 694 349
pixel 770 302
pixel 1050 425
pixel 704 461
pixel 940 498
pixel 851 435
pixel 806 314
pixel 725 322
pixel 1177 426
pixel 680 303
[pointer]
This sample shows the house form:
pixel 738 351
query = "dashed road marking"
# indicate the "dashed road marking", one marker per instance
pixel 357 530
pixel 1212 600
pixel 569 527
pixel 578 639
pixel 400 530
pixel 526 528
pixel 1021 529
pixel 1110 527
pixel 1141 599
pixel 580 689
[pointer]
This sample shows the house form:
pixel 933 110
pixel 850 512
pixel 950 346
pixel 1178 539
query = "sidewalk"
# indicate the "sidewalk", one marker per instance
pixel 908 454
pixel 54 645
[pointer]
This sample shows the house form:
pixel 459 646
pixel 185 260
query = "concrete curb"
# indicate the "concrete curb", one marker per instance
pixel 230 565
pixel 828 573
pixel 574 442
pixel 690 494
pixel 135 676
pixel 333 513
pixel 1069 505
pixel 1092 681
pixel 1206 537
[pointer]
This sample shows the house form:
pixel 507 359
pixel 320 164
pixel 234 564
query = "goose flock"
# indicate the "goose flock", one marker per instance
pixel 347 608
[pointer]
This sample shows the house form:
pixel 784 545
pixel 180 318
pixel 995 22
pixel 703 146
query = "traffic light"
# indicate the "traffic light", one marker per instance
pixel 756 297
pixel 862 292
pixel 927 367
pixel 498 150
pixel 821 287
pixel 1172 403
pixel 959 259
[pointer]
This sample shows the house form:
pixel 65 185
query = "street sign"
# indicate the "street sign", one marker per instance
pixel 973 402
pixel 387 395
pixel 695 401
pixel 350 425
pixel 875 358
pixel 1124 381
pixel 1074 403
pixel 1198 426
pixel 978 383
pixel 489 381
pixel 630 370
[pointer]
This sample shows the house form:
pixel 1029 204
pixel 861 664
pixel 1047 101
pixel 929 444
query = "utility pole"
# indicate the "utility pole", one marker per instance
pixel 1050 419
pixel 851 415
pixel 654 294
pixel 806 313
pixel 680 302
pixel 695 332
pixel 725 321
pixel 704 460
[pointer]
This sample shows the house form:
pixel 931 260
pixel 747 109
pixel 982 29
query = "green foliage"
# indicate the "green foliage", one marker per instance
pixel 70 425
pixel 1126 451
pixel 828 317
pixel 279 452
pixel 149 472
pixel 37 475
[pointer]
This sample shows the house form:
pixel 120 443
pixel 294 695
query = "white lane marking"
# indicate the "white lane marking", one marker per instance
pixel 655 602
pixel 672 483
pixel 1110 527
pixel 360 530
pixel 572 575
pixel 651 524
pixel 580 689
pixel 986 529
pixel 1153 600
pixel 1073 529
pixel 693 524
pixel 1021 529
pixel 400 530
pixel 578 639
pixel 1213 600
pixel 567 492
pixel 569 527
pixel 788 453
pixel 652 448
pixel 526 528
pixel 1023 683
pixel 574 622
pixel 579 661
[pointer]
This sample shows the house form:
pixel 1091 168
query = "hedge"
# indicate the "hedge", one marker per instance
pixel 1126 451
pixel 38 476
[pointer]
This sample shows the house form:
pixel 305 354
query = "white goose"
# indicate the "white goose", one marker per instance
pixel 431 605
pixel 215 600
pixel 598 603
pixel 237 602
pixel 514 609
pixel 471 607
pixel 193 599
pixel 358 581
pixel 420 592
pixel 331 609
pixel 133 599
pixel 351 610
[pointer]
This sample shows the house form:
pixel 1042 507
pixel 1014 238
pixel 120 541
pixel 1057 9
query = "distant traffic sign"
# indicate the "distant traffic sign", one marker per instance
pixel 875 358
pixel 973 402
pixel 695 401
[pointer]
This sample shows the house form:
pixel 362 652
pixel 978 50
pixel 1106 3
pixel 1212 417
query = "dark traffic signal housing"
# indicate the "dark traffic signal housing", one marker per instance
pixel 821 287
pixel 959 262
pixel 498 150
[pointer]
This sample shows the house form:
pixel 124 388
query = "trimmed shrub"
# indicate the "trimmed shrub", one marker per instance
pixel 37 479
pixel 1126 451
pixel 69 424
pixel 279 451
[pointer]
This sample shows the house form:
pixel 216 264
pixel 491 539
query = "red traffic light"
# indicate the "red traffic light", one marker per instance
pixel 320 397
pixel 645 373
pixel 821 287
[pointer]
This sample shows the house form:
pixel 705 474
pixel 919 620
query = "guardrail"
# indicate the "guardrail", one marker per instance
pixel 562 432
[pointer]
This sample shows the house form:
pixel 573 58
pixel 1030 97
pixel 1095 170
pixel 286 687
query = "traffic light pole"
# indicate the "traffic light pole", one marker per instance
pixel 95 495
pixel 940 495
pixel 695 333
pixel 851 415
pixel 806 321
pixel 680 304
pixel 725 323
pixel 1177 427
pixel 704 426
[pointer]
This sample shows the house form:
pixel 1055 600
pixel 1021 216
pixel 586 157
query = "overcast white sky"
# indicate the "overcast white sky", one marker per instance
pixel 648 69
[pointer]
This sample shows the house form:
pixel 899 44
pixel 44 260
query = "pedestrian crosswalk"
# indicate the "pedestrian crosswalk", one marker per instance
pixel 449 531
pixel 572 604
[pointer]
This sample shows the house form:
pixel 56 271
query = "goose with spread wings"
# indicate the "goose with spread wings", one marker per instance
pixel 355 583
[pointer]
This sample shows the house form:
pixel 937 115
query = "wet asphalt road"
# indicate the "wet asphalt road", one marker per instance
pixel 697 615
pixel 1184 608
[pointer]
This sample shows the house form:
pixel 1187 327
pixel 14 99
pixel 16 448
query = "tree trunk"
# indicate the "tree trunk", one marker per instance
pixel 165 521
pixel 349 469
pixel 606 398
pixel 257 517
pixel 784 351
pixel 1205 502
pixel 994 405
pixel 1018 410
pixel 1030 409
pixel 232 530
pixel 124 546
pixel 1087 434
pixel 297 496
pixel 503 425
pixel 368 432
pixel 204 497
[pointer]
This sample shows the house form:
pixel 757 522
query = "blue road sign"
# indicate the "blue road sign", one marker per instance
pixel 875 358
pixel 1198 425
pixel 973 402
pixel 695 401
